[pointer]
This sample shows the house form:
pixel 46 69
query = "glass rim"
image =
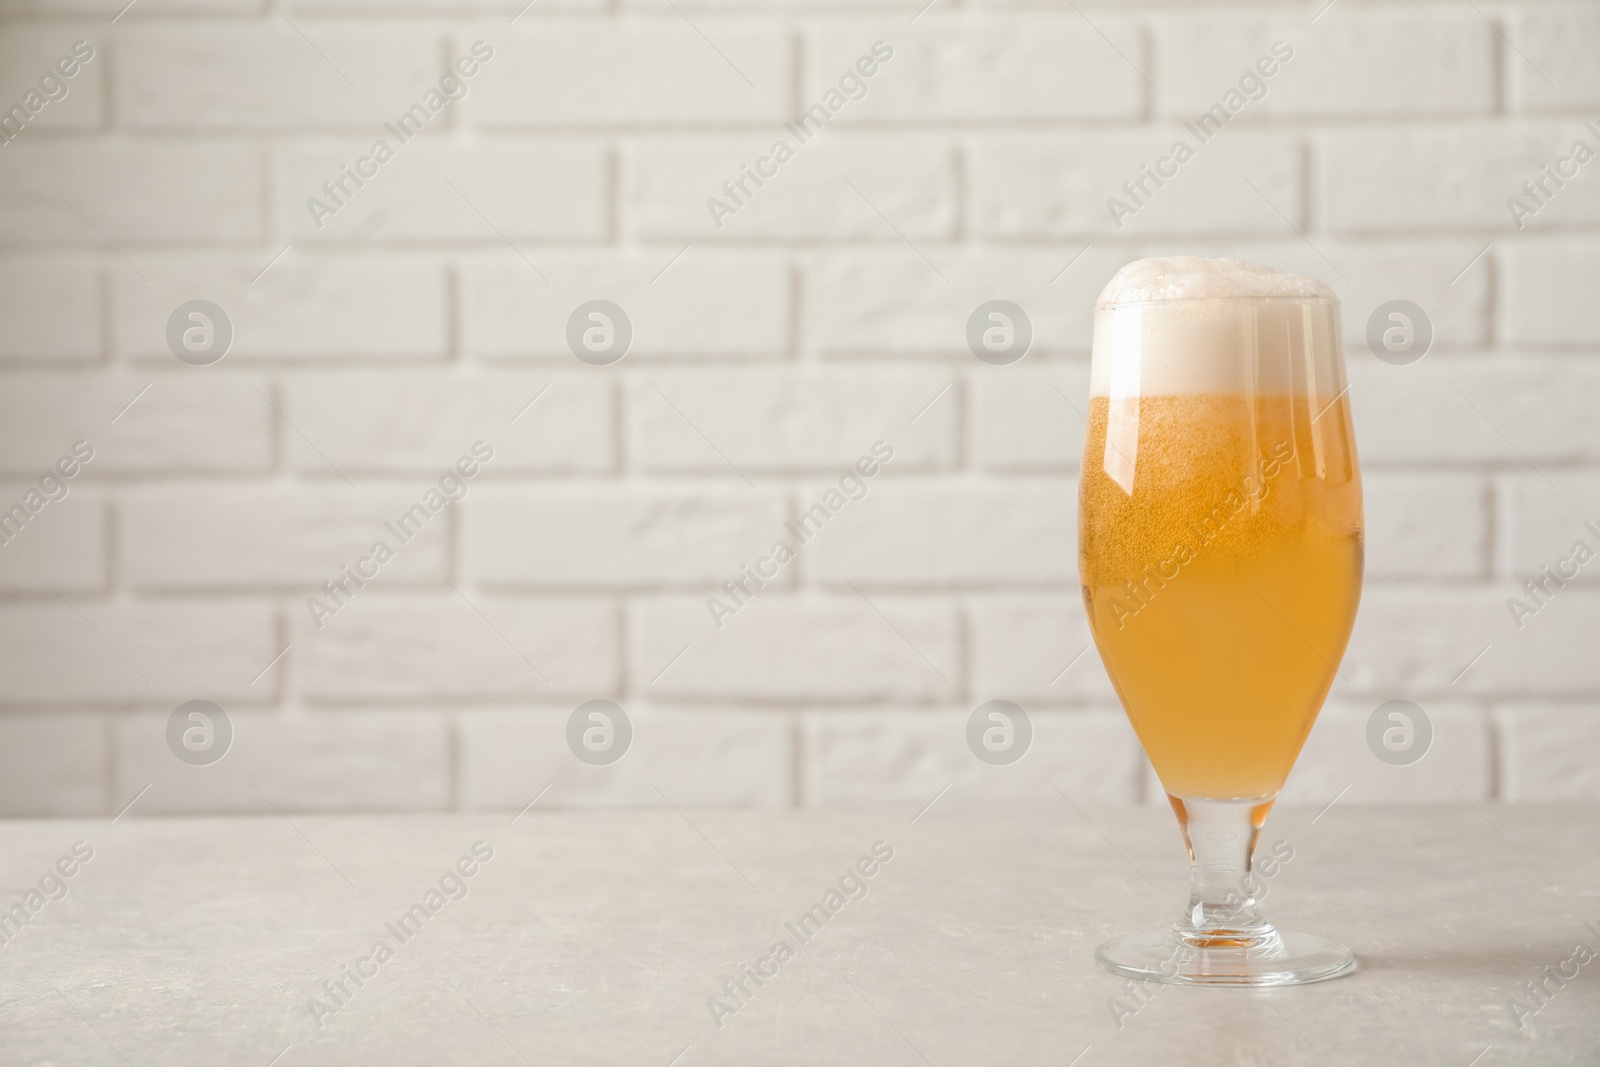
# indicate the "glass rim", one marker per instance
pixel 1230 298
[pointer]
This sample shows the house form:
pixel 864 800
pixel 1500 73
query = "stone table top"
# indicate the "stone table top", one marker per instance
pixel 607 937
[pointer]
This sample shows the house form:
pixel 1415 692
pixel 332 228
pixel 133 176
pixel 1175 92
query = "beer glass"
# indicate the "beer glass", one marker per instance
pixel 1220 553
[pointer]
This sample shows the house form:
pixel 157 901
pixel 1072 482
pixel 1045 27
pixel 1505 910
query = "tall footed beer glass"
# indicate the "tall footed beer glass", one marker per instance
pixel 1220 551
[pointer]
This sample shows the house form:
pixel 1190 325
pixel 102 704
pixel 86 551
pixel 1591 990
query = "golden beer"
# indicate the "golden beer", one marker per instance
pixel 1221 590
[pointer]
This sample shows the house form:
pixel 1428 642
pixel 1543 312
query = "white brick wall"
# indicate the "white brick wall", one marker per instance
pixel 826 314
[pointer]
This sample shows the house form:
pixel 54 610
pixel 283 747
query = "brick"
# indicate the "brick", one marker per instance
pixel 1425 526
pixel 892 302
pixel 570 537
pixel 269 537
pixel 65 543
pixel 742 758
pixel 1547 302
pixel 1356 61
pixel 1409 179
pixel 703 305
pixel 1425 411
pixel 1036 649
pixel 1549 752
pixel 894 756
pixel 762 420
pixel 957 68
pixel 544 191
pixel 1553 72
pixel 1063 184
pixel 302 307
pixel 1543 525
pixel 1029 417
pixel 51 654
pixel 1011 532
pixel 389 760
pixel 1420 642
pixel 670 183
pixel 581 73
pixel 383 648
pixel 835 649
pixel 424 421
pixel 264 75
pixel 150 194
pixel 1337 755
pixel 29 54
pixel 51 311
pixel 54 765
pixel 177 425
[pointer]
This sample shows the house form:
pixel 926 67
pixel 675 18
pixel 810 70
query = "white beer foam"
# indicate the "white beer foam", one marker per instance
pixel 1195 278
pixel 1186 325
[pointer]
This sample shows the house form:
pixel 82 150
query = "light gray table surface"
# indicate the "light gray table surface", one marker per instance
pixel 600 937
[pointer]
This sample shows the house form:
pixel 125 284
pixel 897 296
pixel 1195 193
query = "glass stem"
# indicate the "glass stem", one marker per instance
pixel 1221 837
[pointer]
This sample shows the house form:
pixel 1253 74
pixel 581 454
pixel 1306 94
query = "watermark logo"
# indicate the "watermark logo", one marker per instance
pixel 452 487
pixel 53 87
pixel 1251 86
pixel 199 333
pixel 999 332
pixel 1538 992
pixel 751 978
pixel 199 733
pixel 409 124
pixel 1253 888
pixel 52 886
pixel 1399 732
pixel 1138 993
pixel 452 885
pixel 599 332
pixel 599 732
pixel 1399 332
pixel 1552 579
pixel 1538 192
pixel 852 485
pixel 52 487
pixel 1139 592
pixel 999 732
pixel 737 191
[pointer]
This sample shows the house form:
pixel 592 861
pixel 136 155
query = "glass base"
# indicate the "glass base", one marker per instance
pixel 1261 957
